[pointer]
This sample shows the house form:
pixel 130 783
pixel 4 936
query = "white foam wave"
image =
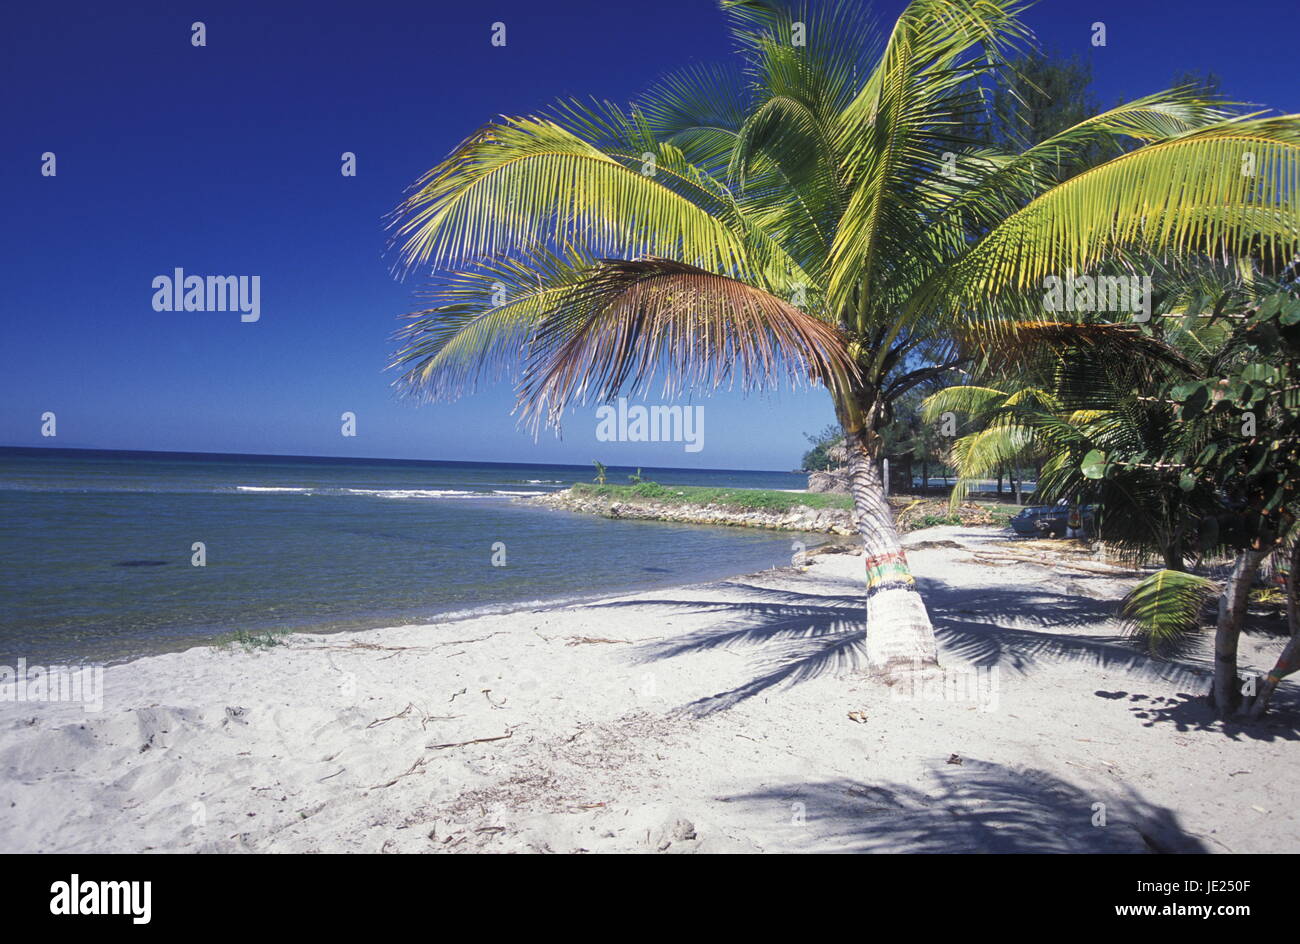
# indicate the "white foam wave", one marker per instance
pixel 392 493
pixel 413 492
pixel 375 492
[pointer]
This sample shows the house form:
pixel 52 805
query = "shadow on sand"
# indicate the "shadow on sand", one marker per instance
pixel 800 635
pixel 975 807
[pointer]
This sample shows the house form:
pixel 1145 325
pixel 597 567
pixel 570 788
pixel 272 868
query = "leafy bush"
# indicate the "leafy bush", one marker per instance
pixel 817 459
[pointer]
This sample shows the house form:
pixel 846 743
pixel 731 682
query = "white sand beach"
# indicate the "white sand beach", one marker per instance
pixel 718 718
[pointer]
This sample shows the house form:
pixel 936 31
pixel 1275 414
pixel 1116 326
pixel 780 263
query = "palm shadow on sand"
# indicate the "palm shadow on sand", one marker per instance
pixel 800 635
pixel 974 807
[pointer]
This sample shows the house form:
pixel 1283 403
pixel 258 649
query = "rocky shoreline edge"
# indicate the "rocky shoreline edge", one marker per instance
pixel 800 518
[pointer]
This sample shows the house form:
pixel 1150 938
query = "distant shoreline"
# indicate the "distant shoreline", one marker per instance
pixel 583 467
pixel 773 509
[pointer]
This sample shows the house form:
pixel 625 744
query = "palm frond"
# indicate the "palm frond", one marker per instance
pixel 969 399
pixel 1023 341
pixel 529 181
pixel 482 325
pixel 628 320
pixel 901 123
pixel 1230 189
pixel 1165 608
pixel 1004 186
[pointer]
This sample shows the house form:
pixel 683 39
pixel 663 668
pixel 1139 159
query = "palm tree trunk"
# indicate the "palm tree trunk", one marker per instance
pixel 1286 663
pixel 900 638
pixel 1226 695
pixel 1289 660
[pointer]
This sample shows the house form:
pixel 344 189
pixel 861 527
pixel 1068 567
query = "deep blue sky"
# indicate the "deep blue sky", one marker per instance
pixel 225 160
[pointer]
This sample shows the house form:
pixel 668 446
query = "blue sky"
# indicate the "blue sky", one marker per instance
pixel 225 160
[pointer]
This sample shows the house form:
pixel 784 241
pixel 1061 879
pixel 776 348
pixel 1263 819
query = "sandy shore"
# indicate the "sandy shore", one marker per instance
pixel 718 718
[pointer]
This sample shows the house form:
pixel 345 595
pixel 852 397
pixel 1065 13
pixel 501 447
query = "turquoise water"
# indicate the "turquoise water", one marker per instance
pixel 96 547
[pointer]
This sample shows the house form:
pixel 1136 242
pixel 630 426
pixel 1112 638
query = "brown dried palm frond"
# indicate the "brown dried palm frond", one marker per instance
pixel 629 319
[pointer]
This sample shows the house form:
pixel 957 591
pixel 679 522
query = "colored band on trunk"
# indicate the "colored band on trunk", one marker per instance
pixel 883 558
pixel 889 569
pixel 897 583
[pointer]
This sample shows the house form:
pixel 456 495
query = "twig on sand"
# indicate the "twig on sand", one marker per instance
pixel 590 640
pixel 499 737
pixel 425 717
pixel 1108 570
pixel 414 768
pixel 401 714
pixel 356 644
pixel 419 764
pixel 1111 768
pixel 455 642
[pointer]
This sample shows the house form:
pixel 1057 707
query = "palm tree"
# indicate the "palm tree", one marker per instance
pixel 1006 428
pixel 1089 386
pixel 600 472
pixel 1241 443
pixel 1189 440
pixel 814 213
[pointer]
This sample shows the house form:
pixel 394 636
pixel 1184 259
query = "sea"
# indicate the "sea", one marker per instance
pixel 106 556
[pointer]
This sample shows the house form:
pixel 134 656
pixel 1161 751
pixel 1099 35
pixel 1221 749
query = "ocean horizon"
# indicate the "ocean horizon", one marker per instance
pixel 107 555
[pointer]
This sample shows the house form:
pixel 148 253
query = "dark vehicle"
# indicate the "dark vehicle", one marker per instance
pixel 1051 520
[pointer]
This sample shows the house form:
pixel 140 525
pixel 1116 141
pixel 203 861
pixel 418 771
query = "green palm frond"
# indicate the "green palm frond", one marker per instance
pixel 1088 417
pixel 1165 608
pixel 898 128
pixel 529 181
pixel 1182 196
pixel 699 109
pixel 969 399
pixel 1004 186
pixel 981 454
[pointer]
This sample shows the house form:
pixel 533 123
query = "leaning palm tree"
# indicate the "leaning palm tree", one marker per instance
pixel 815 214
